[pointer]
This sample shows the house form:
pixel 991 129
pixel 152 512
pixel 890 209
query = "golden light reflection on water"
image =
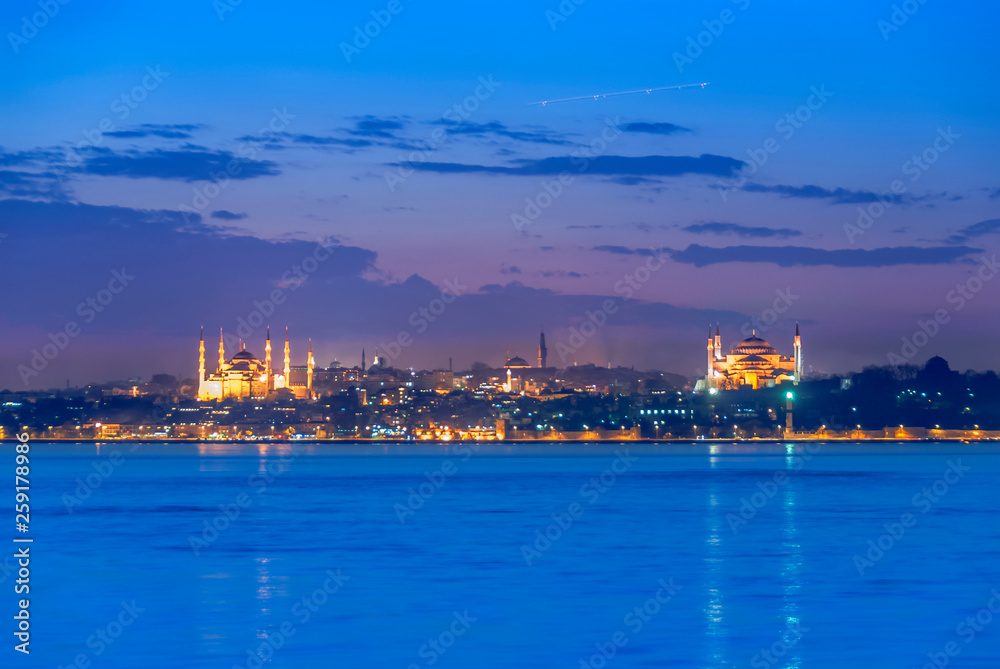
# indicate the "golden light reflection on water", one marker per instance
pixel 791 565
pixel 714 611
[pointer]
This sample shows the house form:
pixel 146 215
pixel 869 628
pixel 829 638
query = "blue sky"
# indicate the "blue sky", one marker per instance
pixel 209 85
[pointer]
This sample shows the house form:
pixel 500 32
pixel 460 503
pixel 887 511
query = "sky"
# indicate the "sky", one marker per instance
pixel 374 174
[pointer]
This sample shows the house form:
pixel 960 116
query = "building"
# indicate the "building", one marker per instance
pixel 244 376
pixel 753 363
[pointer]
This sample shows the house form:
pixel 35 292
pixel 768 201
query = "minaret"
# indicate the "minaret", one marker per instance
pixel 718 342
pixel 201 362
pixel 362 360
pixel 222 352
pixel 267 360
pixel 798 354
pixel 310 363
pixel 543 352
pixel 288 361
pixel 709 377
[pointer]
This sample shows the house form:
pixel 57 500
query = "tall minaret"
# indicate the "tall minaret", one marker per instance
pixel 543 352
pixel 798 354
pixel 201 362
pixel 718 342
pixel 222 351
pixel 362 360
pixel 709 376
pixel 267 360
pixel 288 361
pixel 310 364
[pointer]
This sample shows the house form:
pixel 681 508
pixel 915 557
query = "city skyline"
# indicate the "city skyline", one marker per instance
pixel 362 188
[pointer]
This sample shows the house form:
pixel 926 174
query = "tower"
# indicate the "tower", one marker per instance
pixel 543 352
pixel 267 360
pixel 288 361
pixel 362 360
pixel 310 364
pixel 718 342
pixel 711 359
pixel 222 351
pixel 201 362
pixel 798 355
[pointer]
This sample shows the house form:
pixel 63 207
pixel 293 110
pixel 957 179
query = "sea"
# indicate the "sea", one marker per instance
pixel 546 555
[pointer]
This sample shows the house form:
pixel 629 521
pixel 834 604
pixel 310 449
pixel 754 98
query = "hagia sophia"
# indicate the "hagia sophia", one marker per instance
pixel 244 376
pixel 753 363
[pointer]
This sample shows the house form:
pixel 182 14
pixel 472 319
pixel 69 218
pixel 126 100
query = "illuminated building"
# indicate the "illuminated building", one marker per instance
pixel 244 376
pixel 753 363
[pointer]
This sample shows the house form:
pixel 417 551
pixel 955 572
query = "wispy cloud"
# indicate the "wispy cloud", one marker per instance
pixel 179 165
pixel 224 215
pixel 707 164
pixel 792 256
pixel 975 230
pixel 654 128
pixel 495 128
pixel 714 228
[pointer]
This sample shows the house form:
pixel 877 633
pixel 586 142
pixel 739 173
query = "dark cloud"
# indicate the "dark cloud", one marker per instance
pixel 791 256
pixel 224 215
pixel 714 228
pixel 512 269
pixel 606 165
pixel 497 129
pixel 372 126
pixel 975 230
pixel 561 274
pixel 180 165
pixel 995 193
pixel 654 128
pixel 811 192
pixel 165 131
pixel 625 251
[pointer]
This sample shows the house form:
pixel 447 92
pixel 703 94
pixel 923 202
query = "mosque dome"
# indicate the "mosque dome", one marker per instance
pixel 517 361
pixel 754 345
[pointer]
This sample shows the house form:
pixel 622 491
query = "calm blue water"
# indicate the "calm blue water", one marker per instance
pixel 649 569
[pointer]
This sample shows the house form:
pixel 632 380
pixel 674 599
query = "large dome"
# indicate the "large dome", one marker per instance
pixel 754 346
pixel 243 355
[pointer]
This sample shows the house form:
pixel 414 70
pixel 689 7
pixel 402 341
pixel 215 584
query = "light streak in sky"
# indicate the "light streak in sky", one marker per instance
pixel 610 95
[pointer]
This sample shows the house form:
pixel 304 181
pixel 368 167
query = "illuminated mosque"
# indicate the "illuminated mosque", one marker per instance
pixel 753 363
pixel 245 377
